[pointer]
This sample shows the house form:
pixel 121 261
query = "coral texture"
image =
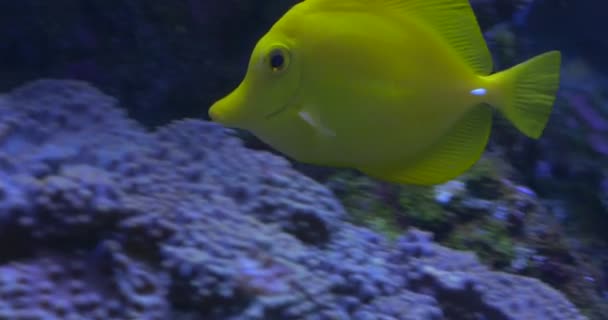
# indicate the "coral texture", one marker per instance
pixel 100 219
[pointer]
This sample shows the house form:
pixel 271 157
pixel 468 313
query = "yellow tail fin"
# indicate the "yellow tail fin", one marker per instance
pixel 526 92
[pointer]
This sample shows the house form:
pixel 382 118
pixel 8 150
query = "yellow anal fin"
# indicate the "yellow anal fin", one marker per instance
pixel 452 20
pixel 452 155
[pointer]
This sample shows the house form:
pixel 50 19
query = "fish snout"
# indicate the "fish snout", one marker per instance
pixel 215 114
pixel 229 110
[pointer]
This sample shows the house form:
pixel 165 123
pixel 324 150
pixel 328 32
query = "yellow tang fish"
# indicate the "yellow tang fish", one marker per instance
pixel 400 89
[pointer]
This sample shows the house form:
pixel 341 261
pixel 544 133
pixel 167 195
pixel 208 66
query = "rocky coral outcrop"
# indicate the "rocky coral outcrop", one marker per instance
pixel 100 218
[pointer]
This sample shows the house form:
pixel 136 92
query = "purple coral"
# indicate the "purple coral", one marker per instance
pixel 76 286
pixel 187 222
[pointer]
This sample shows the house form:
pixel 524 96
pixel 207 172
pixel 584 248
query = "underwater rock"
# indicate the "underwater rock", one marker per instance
pixel 486 211
pixel 185 221
pixel 76 286
pixel 463 287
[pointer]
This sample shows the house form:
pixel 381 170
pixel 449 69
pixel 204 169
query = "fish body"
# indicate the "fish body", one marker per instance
pixel 399 89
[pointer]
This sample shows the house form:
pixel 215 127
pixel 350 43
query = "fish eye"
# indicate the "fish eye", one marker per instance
pixel 278 59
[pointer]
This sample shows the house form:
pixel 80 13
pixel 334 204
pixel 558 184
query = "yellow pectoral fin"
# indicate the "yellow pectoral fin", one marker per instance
pixel 312 117
pixel 452 155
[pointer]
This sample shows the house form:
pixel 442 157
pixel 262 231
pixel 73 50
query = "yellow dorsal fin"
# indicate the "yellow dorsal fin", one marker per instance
pixel 453 20
pixel 455 152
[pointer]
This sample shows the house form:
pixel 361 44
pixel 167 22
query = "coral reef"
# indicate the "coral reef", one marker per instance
pixel 486 211
pixel 101 219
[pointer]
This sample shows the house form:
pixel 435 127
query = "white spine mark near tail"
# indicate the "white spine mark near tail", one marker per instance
pixel 479 92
